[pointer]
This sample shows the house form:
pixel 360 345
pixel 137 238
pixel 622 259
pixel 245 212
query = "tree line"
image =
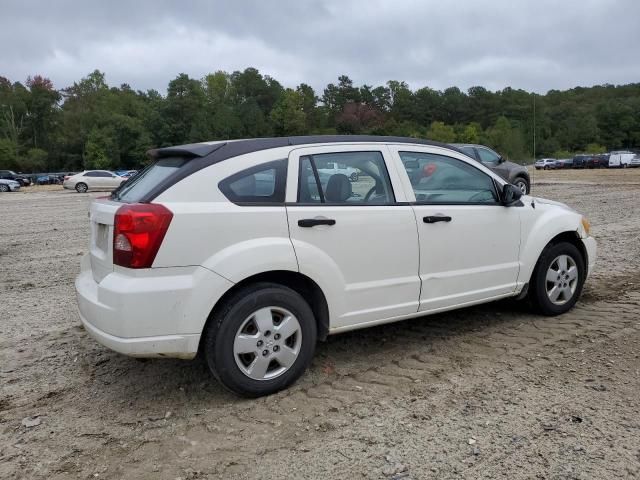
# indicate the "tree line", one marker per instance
pixel 93 125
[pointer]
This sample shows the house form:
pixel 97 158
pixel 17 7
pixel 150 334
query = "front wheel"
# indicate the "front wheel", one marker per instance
pixel 522 185
pixel 557 281
pixel 4 187
pixel 261 340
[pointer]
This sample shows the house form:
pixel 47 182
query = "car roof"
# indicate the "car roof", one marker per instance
pixel 225 149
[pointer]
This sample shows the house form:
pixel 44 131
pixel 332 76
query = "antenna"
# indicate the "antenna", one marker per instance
pixel 533 172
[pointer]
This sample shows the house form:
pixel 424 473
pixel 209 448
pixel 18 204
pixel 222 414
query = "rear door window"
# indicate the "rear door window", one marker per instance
pixel 344 178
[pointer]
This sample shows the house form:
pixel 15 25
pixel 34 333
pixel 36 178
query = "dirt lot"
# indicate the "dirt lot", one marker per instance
pixel 487 392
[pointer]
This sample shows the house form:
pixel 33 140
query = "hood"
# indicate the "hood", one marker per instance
pixel 513 166
pixel 546 201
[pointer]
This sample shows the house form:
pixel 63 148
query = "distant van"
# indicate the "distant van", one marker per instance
pixel 621 158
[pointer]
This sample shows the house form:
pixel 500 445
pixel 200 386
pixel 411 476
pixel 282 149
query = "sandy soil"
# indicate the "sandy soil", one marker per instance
pixel 486 392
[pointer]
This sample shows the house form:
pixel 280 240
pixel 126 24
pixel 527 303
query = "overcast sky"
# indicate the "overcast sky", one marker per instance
pixel 536 45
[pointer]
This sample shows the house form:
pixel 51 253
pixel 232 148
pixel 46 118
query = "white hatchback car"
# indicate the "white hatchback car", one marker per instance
pixel 243 252
pixel 93 180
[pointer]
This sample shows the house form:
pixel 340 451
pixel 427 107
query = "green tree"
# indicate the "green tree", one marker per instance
pixel 7 154
pixel 470 134
pixel 288 115
pixel 440 132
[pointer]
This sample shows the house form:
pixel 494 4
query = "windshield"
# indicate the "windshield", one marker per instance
pixel 134 189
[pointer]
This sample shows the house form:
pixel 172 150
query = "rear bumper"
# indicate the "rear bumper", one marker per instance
pixel 158 312
pixel 591 247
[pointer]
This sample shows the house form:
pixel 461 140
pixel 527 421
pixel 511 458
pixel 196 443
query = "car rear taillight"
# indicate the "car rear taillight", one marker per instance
pixel 138 231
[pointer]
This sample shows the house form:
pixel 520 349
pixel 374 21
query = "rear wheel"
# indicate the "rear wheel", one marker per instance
pixel 557 281
pixel 81 187
pixel 261 340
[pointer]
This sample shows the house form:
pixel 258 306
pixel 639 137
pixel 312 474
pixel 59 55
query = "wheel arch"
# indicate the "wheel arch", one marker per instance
pixel 300 283
pixel 571 237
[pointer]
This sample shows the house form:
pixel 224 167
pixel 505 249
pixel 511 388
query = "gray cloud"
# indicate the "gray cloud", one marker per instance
pixel 535 45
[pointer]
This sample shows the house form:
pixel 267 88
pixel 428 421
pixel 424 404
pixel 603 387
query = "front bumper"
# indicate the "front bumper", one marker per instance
pixel 591 247
pixel 158 312
pixel 14 188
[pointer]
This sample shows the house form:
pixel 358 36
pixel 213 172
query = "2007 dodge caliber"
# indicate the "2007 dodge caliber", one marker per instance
pixel 248 252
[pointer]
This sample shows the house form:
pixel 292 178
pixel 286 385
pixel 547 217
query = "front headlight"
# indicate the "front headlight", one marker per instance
pixel 586 225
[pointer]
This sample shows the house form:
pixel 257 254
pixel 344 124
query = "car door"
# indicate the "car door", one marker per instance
pixel 356 238
pixel 469 242
pixel 113 180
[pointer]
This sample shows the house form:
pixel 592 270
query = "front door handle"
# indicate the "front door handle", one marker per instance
pixel 436 219
pixel 312 222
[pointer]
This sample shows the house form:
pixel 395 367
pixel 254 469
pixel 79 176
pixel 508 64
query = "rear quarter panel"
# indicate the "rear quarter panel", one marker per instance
pixel 234 241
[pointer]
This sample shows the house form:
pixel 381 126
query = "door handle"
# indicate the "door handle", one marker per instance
pixel 312 222
pixel 436 218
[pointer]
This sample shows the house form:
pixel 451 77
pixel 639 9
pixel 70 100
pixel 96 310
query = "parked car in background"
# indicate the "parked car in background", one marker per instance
pixel 512 172
pixel 545 164
pixel 620 158
pixel 332 168
pixel 563 163
pixel 597 161
pixel 635 161
pixel 126 173
pixel 93 180
pixel 9 185
pixel 11 175
pixel 580 161
pixel 194 254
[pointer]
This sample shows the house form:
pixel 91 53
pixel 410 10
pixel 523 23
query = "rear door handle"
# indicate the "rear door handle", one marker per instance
pixel 436 219
pixel 312 222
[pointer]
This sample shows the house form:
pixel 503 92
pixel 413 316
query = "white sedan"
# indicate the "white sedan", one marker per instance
pixel 93 180
pixel 9 185
pixel 244 252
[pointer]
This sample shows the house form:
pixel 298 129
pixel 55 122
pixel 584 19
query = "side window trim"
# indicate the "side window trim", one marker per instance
pixel 278 196
pixel 316 175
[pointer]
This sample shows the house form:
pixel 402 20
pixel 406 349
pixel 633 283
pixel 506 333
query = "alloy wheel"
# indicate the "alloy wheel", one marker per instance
pixel 267 343
pixel 562 279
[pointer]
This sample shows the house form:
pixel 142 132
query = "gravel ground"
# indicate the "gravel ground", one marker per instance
pixel 485 392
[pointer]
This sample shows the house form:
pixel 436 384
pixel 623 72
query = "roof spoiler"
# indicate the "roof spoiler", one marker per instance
pixel 190 150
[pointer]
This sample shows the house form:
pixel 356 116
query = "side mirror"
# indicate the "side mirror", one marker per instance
pixel 510 195
pixel 501 160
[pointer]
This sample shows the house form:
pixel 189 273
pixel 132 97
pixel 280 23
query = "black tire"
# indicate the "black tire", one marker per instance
pixel 521 180
pixel 538 283
pixel 81 187
pixel 223 324
pixel 546 168
pixel 4 188
pixel 354 177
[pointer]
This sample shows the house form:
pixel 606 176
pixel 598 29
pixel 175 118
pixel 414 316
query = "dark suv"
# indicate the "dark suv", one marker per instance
pixel 580 161
pixel 597 161
pixel 11 175
pixel 511 172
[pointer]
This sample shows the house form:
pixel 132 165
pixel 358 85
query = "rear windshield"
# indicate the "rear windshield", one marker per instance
pixel 138 186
